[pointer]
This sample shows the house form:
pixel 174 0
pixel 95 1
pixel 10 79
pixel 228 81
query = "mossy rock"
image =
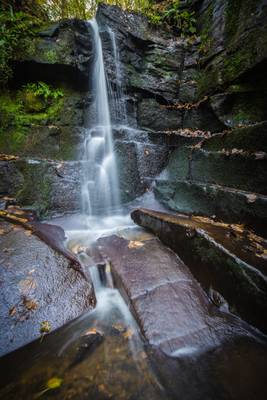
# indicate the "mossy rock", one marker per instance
pixel 231 205
pixel 33 103
pixel 249 138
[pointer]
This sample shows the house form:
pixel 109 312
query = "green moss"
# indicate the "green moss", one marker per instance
pixel 50 56
pixel 251 138
pixel 237 14
pixel 18 112
pixel 35 197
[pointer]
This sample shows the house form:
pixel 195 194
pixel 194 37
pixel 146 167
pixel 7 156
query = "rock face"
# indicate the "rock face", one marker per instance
pixel 61 52
pixel 174 313
pixel 223 257
pixel 37 285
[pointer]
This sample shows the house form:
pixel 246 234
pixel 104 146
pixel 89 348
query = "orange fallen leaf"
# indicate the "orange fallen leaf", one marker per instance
pixel 2 231
pixel 134 244
pixel 91 331
pixel 12 311
pixel 128 334
pixel 30 304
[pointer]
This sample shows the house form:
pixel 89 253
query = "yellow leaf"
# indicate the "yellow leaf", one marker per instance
pixel 30 304
pixel 119 327
pixel 54 383
pixel 128 334
pixel 133 244
pixel 45 327
pixel 91 331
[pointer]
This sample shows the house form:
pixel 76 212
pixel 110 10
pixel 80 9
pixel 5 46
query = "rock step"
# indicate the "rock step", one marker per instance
pixel 173 311
pixel 230 204
pixel 248 138
pixel 236 168
pixel 224 257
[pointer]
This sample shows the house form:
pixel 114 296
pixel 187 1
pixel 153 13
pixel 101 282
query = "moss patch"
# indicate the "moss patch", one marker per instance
pixel 19 111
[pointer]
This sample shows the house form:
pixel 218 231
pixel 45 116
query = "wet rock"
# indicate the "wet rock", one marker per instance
pixel 37 285
pixel 43 185
pixel 226 203
pixel 217 258
pixel 61 54
pixel 237 169
pixel 155 116
pixel 173 311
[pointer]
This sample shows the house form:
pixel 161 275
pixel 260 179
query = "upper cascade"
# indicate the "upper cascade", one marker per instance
pixel 100 188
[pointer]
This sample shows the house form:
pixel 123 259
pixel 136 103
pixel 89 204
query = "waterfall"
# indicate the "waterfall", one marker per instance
pixel 119 105
pixel 100 188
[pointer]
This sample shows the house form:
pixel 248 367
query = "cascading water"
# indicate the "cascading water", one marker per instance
pixel 100 188
pixel 117 96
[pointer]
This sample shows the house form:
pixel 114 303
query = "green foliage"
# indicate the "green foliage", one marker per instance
pixel 171 13
pixel 41 89
pixel 181 19
pixel 19 111
pixel 16 32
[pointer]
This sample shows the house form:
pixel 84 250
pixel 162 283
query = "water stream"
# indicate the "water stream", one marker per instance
pixel 100 187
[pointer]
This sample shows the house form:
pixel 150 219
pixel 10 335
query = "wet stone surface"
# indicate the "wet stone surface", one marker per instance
pixel 171 308
pixel 225 257
pixel 39 289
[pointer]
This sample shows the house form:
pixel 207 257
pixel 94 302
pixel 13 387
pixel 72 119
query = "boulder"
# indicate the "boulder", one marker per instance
pixel 172 310
pixel 40 291
pixel 222 257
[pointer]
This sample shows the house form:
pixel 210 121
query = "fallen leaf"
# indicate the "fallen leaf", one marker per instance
pixel 30 304
pixel 28 232
pixel 119 327
pixel 251 198
pixel 260 155
pixel 134 244
pixel 31 271
pixel 91 331
pixel 45 327
pixel 12 311
pixel 54 383
pixel 51 384
pixel 128 334
pixel 17 228
pixel 7 250
pixel 2 231
pixel 27 285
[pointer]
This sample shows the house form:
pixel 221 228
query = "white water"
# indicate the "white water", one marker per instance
pixel 100 187
pixel 118 97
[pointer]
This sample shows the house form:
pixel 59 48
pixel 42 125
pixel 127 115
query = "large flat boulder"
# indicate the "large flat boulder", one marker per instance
pixel 174 313
pixel 40 289
pixel 224 257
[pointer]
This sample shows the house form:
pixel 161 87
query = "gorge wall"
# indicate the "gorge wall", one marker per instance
pixel 197 107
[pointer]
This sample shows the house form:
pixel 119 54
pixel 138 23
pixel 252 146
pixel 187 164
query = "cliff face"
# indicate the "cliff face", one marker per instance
pixel 198 107
pixel 207 99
